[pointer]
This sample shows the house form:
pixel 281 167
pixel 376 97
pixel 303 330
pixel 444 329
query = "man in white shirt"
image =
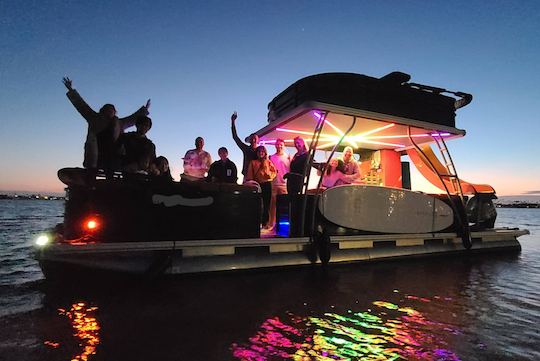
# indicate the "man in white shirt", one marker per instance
pixel 351 165
pixel 196 162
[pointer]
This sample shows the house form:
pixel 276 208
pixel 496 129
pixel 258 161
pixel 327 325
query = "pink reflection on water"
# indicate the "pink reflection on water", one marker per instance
pixel 275 339
pixel 388 332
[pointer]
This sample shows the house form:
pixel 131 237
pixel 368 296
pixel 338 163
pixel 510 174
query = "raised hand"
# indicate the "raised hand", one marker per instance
pixel 234 116
pixel 147 106
pixel 67 82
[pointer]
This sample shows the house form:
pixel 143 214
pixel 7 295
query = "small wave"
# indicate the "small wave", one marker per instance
pixel 20 302
pixel 29 218
pixel 13 261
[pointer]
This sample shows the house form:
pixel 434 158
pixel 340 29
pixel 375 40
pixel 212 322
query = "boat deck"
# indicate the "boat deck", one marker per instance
pixel 180 257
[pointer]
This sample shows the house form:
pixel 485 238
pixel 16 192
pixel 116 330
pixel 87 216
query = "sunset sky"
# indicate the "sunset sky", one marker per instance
pixel 200 60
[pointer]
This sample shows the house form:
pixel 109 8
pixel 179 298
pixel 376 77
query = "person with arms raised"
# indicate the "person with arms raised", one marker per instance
pixel 102 149
pixel 249 151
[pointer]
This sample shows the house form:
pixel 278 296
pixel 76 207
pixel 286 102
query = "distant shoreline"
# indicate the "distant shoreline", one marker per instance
pixel 517 205
pixel 31 197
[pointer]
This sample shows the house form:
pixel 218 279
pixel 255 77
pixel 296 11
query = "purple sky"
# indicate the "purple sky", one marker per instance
pixel 199 61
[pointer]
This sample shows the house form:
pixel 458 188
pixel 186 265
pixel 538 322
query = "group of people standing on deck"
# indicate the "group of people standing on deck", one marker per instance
pixel 107 147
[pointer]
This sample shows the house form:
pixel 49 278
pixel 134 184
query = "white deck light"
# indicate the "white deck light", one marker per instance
pixel 42 240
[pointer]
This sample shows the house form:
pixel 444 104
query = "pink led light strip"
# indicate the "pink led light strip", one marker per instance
pixel 365 137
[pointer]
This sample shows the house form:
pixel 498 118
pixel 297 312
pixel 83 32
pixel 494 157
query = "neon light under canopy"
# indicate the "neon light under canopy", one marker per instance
pixel 368 137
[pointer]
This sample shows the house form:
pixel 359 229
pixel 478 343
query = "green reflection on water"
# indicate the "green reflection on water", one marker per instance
pixel 388 332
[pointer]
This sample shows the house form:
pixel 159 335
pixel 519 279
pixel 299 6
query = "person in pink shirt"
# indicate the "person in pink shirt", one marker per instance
pixel 335 176
pixel 282 162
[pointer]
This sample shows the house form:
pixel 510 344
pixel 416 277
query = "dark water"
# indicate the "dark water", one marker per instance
pixel 476 308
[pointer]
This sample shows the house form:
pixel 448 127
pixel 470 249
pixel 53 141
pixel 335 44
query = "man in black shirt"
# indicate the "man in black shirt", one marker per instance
pixel 249 151
pixel 139 150
pixel 222 170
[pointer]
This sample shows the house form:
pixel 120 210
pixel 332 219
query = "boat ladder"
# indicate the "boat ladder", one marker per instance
pixel 318 237
pixel 458 205
pixel 451 175
pixel 307 168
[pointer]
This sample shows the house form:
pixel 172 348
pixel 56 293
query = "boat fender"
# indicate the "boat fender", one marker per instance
pixel 463 230
pixel 466 238
pixel 323 245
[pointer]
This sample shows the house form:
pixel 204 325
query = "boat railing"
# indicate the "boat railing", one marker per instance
pixel 459 208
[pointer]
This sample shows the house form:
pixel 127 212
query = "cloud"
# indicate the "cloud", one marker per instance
pixel 532 193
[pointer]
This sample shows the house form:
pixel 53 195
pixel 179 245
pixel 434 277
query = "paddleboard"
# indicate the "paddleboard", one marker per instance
pixel 384 209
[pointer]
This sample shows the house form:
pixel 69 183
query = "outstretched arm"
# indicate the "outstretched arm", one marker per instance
pixel 78 102
pixel 347 178
pixel 130 120
pixel 67 82
pixel 237 140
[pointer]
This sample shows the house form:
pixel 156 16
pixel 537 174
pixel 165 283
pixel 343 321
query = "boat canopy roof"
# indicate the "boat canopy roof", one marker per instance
pixel 386 111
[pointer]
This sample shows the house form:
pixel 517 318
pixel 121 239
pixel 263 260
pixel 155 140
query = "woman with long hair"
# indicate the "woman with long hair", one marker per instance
pixel 335 174
pixel 295 177
pixel 263 171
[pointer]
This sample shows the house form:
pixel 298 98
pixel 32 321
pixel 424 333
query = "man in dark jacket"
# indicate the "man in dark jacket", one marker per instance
pixel 250 151
pixel 139 151
pixel 222 170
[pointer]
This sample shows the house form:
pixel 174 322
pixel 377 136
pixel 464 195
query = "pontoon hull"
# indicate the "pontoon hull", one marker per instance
pixel 144 259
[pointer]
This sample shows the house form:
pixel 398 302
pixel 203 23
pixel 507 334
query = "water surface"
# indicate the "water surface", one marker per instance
pixel 448 308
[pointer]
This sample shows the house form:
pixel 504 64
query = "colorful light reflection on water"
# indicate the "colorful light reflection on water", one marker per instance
pixel 386 332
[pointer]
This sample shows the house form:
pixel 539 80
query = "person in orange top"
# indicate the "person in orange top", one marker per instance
pixel 263 171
